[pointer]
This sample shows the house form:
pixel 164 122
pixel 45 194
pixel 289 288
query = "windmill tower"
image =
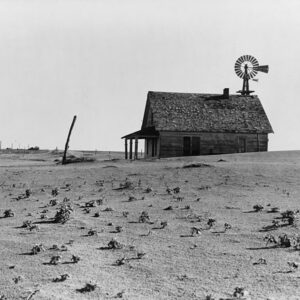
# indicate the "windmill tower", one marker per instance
pixel 246 67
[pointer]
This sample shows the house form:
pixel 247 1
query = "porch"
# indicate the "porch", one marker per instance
pixel 150 135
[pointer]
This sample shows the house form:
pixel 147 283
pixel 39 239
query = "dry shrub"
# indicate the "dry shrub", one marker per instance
pixel 169 191
pixel 168 208
pixel 37 249
pixel 275 224
pixel 66 199
pixel 163 224
pixel 140 255
pixel 75 259
pixel 119 229
pixel 43 216
pixel 240 292
pixel 125 214
pixel 270 239
pixel 293 266
pixel 61 278
pixel 87 288
pixel 108 209
pixel 289 216
pixel 34 227
pixel 179 199
pixel 120 261
pixel 284 240
pixel 28 193
pixel 55 260
pixel 261 261
pixel 195 231
pixel 227 226
pixel 274 210
pixel 204 187
pixel 27 224
pixel 99 182
pixel 94 203
pixel 8 213
pixel 63 214
pixel 54 192
pixel 176 190
pixel 258 207
pixel 87 210
pixel 131 198
pixel 114 244
pixel 144 217
pixel 17 279
pixel 120 294
pixel 53 202
pixel 127 184
pixel 92 232
pixel 211 223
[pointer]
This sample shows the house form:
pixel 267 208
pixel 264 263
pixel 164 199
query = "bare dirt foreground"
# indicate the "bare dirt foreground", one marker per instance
pixel 179 233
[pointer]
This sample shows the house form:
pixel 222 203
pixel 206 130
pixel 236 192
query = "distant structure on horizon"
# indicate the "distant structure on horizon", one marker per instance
pixel 183 124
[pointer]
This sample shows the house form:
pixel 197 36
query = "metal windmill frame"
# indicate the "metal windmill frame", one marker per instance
pixel 246 67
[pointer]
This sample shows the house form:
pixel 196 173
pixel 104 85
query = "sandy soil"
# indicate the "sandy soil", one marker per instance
pixel 176 264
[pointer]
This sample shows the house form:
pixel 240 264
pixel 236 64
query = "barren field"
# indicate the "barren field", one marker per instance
pixel 186 228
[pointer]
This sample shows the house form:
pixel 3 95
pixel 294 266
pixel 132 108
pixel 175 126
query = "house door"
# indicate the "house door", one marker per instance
pixel 195 145
pixel 151 147
pixel 186 145
pixel 242 145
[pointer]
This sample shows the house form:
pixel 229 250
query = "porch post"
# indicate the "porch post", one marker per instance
pixel 136 148
pixel 126 150
pixel 130 148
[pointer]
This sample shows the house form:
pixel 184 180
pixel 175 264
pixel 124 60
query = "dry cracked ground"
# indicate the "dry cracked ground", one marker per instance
pixel 209 227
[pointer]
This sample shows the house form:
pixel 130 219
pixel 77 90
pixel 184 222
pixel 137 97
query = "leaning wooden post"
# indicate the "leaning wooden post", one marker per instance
pixel 64 160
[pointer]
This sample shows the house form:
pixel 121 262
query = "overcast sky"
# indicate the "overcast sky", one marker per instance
pixel 98 59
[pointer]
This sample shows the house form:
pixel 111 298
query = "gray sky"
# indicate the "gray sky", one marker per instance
pixel 98 59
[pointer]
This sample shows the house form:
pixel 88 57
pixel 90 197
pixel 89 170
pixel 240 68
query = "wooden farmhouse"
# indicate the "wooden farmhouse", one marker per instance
pixel 182 124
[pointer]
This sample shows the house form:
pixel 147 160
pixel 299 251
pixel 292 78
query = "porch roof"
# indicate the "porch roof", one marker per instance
pixel 148 132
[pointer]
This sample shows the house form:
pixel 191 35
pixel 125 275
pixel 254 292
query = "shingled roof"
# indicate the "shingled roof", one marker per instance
pixel 206 113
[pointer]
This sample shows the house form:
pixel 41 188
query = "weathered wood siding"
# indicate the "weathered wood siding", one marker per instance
pixel 171 143
pixel 151 147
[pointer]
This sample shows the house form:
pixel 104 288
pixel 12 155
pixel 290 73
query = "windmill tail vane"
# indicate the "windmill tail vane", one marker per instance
pixel 264 69
pixel 246 67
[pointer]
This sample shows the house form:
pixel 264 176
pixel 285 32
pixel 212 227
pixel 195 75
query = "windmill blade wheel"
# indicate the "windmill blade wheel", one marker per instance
pixel 249 62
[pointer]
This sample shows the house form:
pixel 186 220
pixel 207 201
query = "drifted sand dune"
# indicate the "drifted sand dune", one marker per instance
pixel 163 257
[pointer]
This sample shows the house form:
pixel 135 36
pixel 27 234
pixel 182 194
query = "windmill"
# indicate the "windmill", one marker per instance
pixel 246 67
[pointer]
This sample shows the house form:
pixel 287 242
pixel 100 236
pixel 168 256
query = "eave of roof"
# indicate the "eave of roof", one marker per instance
pixel 148 132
